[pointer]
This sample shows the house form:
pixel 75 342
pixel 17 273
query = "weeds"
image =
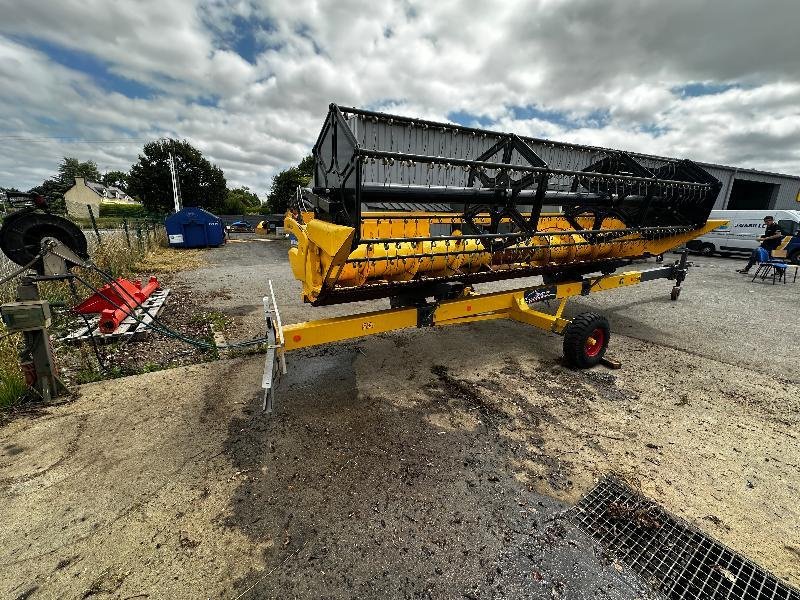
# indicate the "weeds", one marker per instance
pixel 214 319
pixel 114 372
pixel 170 260
pixel 12 388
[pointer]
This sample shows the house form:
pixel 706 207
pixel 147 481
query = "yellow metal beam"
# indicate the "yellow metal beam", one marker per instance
pixel 514 304
pixel 323 331
pixel 525 314
pixel 485 317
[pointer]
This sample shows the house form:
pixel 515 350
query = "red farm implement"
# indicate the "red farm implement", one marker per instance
pixel 115 301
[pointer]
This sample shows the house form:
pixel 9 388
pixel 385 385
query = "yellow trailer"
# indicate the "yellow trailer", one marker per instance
pixel 421 212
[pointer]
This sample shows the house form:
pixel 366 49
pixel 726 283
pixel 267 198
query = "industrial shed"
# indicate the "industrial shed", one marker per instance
pixel 749 189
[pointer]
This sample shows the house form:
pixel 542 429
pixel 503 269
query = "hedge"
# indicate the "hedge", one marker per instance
pixel 130 211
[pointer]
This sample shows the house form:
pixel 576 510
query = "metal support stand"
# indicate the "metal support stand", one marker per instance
pixel 681 268
pixel 36 358
pixel 30 315
pixel 273 369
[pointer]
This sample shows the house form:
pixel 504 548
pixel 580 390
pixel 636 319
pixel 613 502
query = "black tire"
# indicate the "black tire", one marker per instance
pixel 795 257
pixel 579 352
pixel 675 293
pixel 707 249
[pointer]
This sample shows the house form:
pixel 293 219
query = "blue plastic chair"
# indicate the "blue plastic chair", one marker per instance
pixel 770 266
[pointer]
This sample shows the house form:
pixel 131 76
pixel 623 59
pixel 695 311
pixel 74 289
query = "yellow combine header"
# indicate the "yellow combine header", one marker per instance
pixel 324 258
pixel 420 212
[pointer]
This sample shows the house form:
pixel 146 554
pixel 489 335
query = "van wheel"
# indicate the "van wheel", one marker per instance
pixel 707 249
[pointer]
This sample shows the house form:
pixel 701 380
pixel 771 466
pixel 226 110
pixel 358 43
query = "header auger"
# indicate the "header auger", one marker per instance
pixel 419 212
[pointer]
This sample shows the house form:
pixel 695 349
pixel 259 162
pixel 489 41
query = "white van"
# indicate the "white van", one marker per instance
pixel 741 233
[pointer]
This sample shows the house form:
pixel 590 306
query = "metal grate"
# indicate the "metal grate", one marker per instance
pixel 679 561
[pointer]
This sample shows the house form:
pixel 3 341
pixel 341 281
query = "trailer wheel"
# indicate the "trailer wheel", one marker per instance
pixel 675 293
pixel 585 340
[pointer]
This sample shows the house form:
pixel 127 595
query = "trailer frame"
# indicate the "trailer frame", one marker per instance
pixel 458 306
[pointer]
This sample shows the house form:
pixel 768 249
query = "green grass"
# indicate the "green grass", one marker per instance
pixel 129 211
pixel 215 319
pixel 12 388
pixel 115 222
pixel 12 383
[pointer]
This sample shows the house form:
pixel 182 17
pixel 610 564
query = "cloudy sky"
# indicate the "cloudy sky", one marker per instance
pixel 248 81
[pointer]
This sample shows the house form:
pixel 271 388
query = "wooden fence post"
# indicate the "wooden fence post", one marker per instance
pixel 127 233
pixel 94 223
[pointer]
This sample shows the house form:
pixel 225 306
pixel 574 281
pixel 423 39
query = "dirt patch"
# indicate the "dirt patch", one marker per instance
pixel 720 451
pixel 171 260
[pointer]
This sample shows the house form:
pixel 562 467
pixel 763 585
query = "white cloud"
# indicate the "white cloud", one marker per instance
pixel 571 60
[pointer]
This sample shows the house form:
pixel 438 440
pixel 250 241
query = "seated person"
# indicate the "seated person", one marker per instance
pixel 769 241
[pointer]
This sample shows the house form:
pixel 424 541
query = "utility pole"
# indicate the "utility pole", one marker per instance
pixel 175 187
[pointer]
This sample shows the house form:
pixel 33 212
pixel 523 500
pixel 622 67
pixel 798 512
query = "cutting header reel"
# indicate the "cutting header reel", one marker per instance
pixel 399 206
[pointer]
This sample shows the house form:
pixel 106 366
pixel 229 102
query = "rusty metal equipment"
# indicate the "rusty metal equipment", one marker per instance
pixel 50 245
pixel 420 212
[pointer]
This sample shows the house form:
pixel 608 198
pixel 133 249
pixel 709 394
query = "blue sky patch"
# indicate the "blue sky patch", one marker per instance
pixel 703 88
pixel 653 129
pixel 211 101
pixel 595 119
pixel 246 38
pixel 462 117
pixel 97 69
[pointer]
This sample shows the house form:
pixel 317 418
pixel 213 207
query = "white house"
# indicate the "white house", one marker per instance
pixel 89 193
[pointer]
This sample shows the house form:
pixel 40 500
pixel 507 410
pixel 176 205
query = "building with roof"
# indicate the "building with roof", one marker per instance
pixel 751 189
pixel 85 194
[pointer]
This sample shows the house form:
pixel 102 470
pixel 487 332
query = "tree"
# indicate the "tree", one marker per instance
pixel 201 183
pixel 70 168
pixel 240 200
pixel 285 184
pixel 117 179
pixel 54 188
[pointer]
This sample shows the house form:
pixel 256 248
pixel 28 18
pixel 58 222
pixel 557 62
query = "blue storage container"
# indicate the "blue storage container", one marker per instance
pixel 194 227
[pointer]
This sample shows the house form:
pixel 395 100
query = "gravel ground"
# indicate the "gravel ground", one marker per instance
pixel 417 464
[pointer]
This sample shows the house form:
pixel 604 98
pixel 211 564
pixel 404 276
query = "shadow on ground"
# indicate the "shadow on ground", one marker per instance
pixel 364 497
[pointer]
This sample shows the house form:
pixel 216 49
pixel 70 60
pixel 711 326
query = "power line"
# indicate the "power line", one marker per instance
pixel 75 140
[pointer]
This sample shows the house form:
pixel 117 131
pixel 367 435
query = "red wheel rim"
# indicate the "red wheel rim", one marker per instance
pixel 595 342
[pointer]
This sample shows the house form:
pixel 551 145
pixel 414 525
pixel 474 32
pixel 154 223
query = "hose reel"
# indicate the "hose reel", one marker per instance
pixel 49 244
